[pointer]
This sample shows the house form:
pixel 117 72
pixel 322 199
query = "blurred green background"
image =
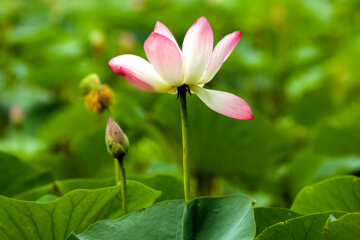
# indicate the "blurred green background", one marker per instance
pixel 297 65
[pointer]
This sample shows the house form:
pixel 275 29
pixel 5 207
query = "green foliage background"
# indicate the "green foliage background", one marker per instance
pixel 296 65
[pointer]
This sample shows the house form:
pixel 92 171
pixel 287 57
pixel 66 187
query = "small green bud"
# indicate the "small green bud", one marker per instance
pixel 89 83
pixel 97 40
pixel 116 141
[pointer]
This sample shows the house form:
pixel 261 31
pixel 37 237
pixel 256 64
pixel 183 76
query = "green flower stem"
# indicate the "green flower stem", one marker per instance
pixel 123 187
pixel 117 171
pixel 121 178
pixel 184 124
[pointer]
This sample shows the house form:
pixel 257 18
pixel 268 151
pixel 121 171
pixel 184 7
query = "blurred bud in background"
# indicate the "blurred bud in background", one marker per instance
pixel 97 40
pixel 99 100
pixel 98 96
pixel 127 41
pixel 89 83
pixel 16 116
pixel 137 4
pixel 116 141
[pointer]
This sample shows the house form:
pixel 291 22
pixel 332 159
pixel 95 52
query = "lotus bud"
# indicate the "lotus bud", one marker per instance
pixel 89 83
pixel 117 142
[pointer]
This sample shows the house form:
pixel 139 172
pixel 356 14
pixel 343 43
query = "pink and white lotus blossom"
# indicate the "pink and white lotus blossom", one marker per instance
pixel 194 66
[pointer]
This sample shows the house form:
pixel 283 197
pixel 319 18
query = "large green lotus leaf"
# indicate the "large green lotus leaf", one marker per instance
pixel 170 187
pixel 139 195
pixel 338 193
pixel 47 198
pixel 307 168
pixel 229 218
pixel 308 227
pixel 159 221
pixel 219 145
pixel 18 176
pixel 61 187
pixel 337 140
pixel 73 212
pixel 346 227
pixel 266 217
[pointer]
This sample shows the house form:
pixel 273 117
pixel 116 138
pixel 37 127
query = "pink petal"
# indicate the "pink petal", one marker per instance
pixel 224 103
pixel 160 28
pixel 139 73
pixel 166 58
pixel 197 49
pixel 221 52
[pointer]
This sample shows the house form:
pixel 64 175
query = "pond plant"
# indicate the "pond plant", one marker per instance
pixel 289 174
pixel 172 70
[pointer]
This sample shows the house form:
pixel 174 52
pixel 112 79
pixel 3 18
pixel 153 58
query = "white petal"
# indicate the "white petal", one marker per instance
pixel 165 57
pixel 139 73
pixel 221 52
pixel 224 103
pixel 197 49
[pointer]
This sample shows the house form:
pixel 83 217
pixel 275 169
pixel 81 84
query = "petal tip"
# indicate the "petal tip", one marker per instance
pixel 235 36
pixel 202 18
pixel 110 63
pixel 110 120
pixel 202 21
pixel 247 113
pixel 251 117
pixel 113 66
pixel 242 115
pixel 238 34
pixel 158 24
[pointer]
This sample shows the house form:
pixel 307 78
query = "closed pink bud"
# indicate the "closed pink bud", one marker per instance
pixel 117 142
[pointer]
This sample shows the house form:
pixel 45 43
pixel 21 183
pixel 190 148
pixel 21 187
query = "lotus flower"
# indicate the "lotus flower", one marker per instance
pixel 193 66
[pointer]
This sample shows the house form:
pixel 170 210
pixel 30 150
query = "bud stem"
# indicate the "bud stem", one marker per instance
pixel 121 178
pixel 184 125
pixel 117 171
